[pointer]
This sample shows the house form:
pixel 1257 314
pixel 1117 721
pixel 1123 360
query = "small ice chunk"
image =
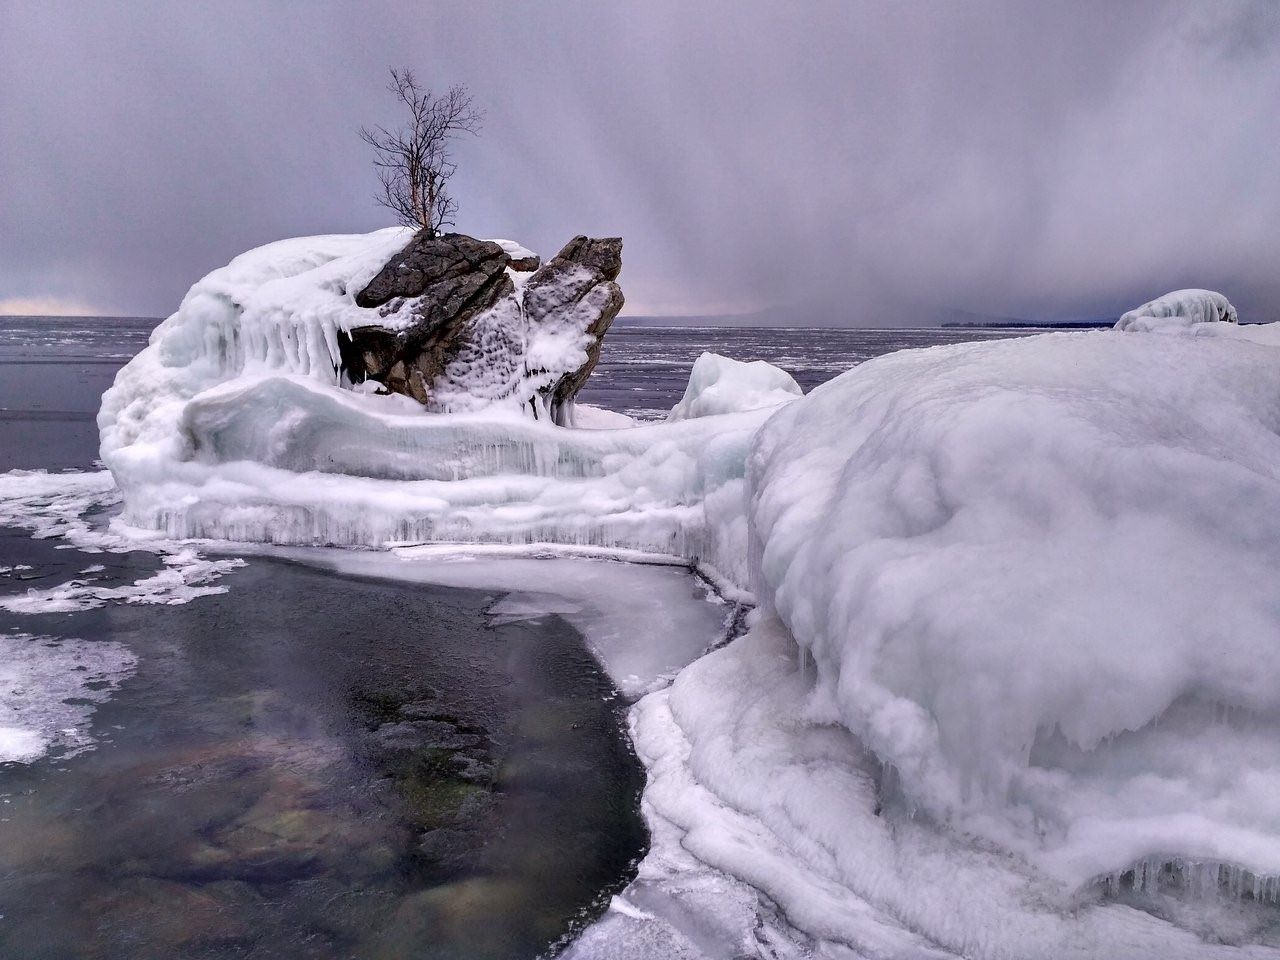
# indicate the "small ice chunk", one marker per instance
pixel 722 385
pixel 1177 311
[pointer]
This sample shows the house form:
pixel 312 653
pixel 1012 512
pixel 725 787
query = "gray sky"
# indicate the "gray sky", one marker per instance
pixel 857 163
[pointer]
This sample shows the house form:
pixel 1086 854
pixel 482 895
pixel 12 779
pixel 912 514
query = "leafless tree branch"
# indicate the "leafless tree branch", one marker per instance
pixel 414 162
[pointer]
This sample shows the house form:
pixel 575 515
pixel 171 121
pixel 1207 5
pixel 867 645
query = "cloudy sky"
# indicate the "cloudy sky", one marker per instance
pixel 837 162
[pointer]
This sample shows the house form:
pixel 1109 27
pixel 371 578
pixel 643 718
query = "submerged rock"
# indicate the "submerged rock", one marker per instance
pixel 456 333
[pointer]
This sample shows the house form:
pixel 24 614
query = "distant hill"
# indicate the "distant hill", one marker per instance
pixel 1103 322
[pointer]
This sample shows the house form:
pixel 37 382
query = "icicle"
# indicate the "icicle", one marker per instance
pixel 1203 880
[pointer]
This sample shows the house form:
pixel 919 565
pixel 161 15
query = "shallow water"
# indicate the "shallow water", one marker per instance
pixel 313 765
pixel 309 765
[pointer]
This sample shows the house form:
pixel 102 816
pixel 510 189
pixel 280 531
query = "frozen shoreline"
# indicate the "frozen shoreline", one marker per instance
pixel 1018 567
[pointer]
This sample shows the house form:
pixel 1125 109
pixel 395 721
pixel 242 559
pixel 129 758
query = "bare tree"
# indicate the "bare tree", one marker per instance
pixel 413 161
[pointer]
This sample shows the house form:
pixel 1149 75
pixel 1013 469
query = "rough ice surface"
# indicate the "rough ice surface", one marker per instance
pixel 49 688
pixel 1011 688
pixel 1181 308
pixel 723 385
pixel 376 474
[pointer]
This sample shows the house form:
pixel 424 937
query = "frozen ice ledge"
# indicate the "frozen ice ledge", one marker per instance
pixel 1037 581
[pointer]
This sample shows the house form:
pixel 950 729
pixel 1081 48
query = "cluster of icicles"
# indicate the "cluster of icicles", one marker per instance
pixel 1204 879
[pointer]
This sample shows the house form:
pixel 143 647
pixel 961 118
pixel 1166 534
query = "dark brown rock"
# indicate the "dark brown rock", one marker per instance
pixel 442 282
pixel 452 268
pixel 454 334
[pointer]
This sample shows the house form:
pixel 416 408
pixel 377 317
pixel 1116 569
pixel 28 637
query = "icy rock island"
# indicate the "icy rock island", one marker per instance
pixel 1010 685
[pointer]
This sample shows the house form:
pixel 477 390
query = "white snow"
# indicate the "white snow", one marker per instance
pixel 588 417
pixel 1179 309
pixel 723 385
pixel 1019 603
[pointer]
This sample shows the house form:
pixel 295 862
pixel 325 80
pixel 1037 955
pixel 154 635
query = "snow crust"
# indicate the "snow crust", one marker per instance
pixel 1179 309
pixel 723 385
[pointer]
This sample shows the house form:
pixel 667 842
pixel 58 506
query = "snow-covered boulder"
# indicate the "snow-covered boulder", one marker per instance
pixel 568 305
pixel 439 293
pixel 722 385
pixel 456 333
pixel 1178 311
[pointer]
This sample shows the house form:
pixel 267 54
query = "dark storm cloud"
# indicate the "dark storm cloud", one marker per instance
pixel 862 161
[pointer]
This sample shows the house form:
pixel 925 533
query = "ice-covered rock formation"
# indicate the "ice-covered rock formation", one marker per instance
pixel 1179 310
pixel 456 332
pixel 449 322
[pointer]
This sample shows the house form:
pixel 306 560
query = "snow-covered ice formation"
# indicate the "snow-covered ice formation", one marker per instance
pixel 1179 310
pixel 1018 604
pixel 1024 566
pixel 723 385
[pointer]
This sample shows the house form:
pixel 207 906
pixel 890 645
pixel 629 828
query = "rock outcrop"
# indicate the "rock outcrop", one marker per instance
pixel 461 324
pixel 428 293
pixel 574 295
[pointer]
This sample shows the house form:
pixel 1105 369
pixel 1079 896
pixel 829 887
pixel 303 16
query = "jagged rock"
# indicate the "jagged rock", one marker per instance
pixel 523 260
pixel 432 288
pixel 603 254
pixel 451 270
pixel 457 335
pixel 572 296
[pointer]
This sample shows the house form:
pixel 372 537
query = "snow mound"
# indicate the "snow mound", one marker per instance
pixel 722 385
pixel 1178 310
pixel 588 417
pixel 1040 579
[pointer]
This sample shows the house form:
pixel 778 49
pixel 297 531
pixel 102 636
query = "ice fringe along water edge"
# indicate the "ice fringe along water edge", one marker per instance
pixel 1025 571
